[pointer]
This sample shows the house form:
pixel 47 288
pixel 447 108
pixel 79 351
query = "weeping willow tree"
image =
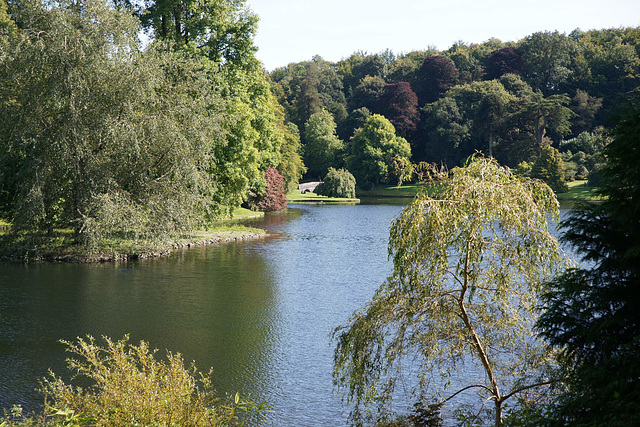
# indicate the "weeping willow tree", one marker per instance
pixel 469 258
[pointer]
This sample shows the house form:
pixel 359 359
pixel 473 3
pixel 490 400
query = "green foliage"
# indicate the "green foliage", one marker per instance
pixel 306 88
pixel 469 118
pixel 547 60
pixel 322 145
pixel 550 168
pixel 291 165
pixel 372 150
pixel 469 260
pixel 435 76
pixel 221 30
pixel 367 92
pixel 129 386
pixel 591 313
pixel 338 183
pixel 545 113
pixel 111 141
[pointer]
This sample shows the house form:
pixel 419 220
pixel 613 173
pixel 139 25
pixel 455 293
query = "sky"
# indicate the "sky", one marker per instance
pixel 297 30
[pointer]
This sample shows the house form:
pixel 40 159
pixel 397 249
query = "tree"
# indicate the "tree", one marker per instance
pixel 338 183
pixel 468 61
pixel 359 65
pixel 467 119
pixel 355 121
pixel 591 313
pixel 399 103
pixel 585 108
pixel 372 149
pixel 469 258
pixel 126 385
pixel 107 140
pixel 221 30
pixel 291 166
pixel 543 113
pixel 506 60
pixel 447 127
pixel 547 59
pixel 306 88
pixel 549 167
pixel 367 92
pixel 434 77
pixel 272 198
pixel 322 145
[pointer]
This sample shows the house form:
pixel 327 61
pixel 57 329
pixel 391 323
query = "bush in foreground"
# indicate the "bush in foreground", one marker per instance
pixel 130 387
pixel 338 183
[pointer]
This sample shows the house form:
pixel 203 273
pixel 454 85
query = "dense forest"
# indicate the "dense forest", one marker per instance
pixel 549 95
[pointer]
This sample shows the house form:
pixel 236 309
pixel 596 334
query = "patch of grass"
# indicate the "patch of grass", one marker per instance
pixel 578 190
pixel 408 190
pixel 296 196
pixel 241 213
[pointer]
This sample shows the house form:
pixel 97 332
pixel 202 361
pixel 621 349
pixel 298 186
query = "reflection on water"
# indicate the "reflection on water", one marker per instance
pixel 260 312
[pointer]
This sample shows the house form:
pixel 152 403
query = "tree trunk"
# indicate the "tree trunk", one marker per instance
pixel 178 23
pixel 498 413
pixel 163 26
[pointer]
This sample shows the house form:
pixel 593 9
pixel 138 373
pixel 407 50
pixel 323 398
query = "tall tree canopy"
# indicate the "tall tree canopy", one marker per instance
pixel 399 103
pixel 372 150
pixel 506 60
pixel 106 139
pixel 222 30
pixel 435 76
pixel 322 145
pixel 469 259
pixel 591 313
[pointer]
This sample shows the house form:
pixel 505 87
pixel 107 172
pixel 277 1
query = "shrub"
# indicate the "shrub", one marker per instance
pixel 273 198
pixel 549 167
pixel 338 183
pixel 129 387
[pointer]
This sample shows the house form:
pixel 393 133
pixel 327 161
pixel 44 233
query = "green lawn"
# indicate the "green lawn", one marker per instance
pixel 296 196
pixel 408 190
pixel 241 213
pixel 578 191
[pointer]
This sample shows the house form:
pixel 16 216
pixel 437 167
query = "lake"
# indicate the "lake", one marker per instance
pixel 259 312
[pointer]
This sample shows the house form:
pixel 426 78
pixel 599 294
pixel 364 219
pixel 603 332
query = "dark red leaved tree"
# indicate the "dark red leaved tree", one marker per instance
pixel 273 199
pixel 506 60
pixel 399 104
pixel 434 77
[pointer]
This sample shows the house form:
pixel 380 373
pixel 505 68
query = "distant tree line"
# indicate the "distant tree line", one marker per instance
pixel 506 100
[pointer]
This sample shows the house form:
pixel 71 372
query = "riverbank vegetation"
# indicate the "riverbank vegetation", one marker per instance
pixel 111 140
pixel 61 245
pixel 130 386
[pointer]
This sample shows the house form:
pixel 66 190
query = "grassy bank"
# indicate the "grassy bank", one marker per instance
pixel 408 190
pixel 61 245
pixel 578 191
pixel 296 196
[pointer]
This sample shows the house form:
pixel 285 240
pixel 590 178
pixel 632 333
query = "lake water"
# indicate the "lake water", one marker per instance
pixel 260 312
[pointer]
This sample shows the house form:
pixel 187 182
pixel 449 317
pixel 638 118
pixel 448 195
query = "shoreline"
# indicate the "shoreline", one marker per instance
pixel 141 253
